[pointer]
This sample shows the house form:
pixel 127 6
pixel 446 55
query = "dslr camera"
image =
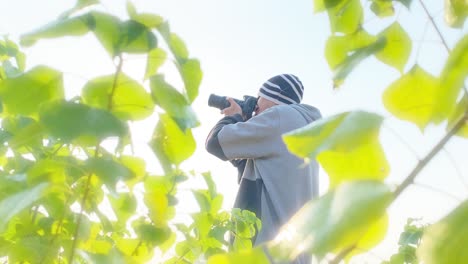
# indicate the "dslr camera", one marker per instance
pixel 247 105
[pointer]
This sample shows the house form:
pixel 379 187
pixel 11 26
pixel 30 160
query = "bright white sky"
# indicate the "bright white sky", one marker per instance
pixel 241 44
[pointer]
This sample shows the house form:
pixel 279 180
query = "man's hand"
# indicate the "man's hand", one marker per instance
pixel 233 109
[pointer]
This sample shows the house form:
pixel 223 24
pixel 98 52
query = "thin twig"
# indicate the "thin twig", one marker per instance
pixel 435 189
pixel 444 42
pixel 80 216
pixel 422 163
pixel 114 86
pixel 402 140
pixel 457 169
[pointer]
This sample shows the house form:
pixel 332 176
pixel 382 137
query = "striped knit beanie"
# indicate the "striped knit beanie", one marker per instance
pixel 282 89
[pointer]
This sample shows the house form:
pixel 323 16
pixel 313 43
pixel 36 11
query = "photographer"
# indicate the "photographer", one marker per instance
pixel 274 182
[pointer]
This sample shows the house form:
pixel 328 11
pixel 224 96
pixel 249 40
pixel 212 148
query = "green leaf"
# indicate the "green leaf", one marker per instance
pixel 20 58
pixel 152 234
pixel 345 16
pixel 255 255
pixel 334 222
pixel 30 137
pixel 338 48
pixel 149 20
pixel 69 121
pixel 346 145
pixel 413 97
pixel 171 100
pixel 319 6
pixel 22 131
pixel 10 71
pixel 106 28
pixel 47 170
pixel 460 110
pixel 12 205
pixel 397 47
pixel 170 143
pixel 24 94
pixel 203 222
pixel 108 171
pixel 406 3
pixel 191 75
pixel 135 38
pixel 445 241
pixel 178 48
pixel 210 183
pixel 203 199
pixel 80 4
pixel 124 206
pixel 382 8
pixel 156 58
pixel 131 9
pixel 130 100
pixel 76 26
pixel 134 251
pixel 452 80
pixel 456 12
pixel 345 68
pixel 156 200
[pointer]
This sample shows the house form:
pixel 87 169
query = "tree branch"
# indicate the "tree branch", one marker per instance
pixel 444 42
pixel 422 163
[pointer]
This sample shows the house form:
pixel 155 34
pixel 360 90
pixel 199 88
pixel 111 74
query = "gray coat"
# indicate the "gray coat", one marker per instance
pixel 284 182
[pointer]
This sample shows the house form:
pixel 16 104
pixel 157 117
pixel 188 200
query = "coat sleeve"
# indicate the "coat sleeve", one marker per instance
pixel 212 141
pixel 256 138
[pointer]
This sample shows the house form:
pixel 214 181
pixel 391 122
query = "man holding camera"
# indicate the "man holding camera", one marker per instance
pixel 274 183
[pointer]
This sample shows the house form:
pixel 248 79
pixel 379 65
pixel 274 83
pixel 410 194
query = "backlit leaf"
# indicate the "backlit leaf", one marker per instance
pixel 80 4
pixel 25 93
pixel 76 26
pixel 346 16
pixel 255 255
pixel 12 205
pixel 171 100
pixel 456 12
pixel 124 206
pixel 156 58
pixel 413 97
pixel 397 47
pixel 130 100
pixel 338 48
pixel 382 8
pixel 461 108
pixel 345 68
pixel 147 19
pixel 191 75
pixel 135 38
pixel 69 121
pixel 157 202
pixel 346 145
pixel 452 79
pixel 106 28
pixel 444 242
pixel 170 143
pixel 334 222
pixel 108 171
pixel 406 3
pixel 178 47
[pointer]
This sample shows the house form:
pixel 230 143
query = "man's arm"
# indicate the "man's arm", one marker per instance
pixel 212 142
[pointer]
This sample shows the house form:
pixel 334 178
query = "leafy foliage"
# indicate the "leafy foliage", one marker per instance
pixel 409 241
pixel 58 166
pixel 352 213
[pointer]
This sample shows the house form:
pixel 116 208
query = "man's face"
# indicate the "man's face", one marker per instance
pixel 263 104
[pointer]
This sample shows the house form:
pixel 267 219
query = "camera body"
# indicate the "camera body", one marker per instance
pixel 247 105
